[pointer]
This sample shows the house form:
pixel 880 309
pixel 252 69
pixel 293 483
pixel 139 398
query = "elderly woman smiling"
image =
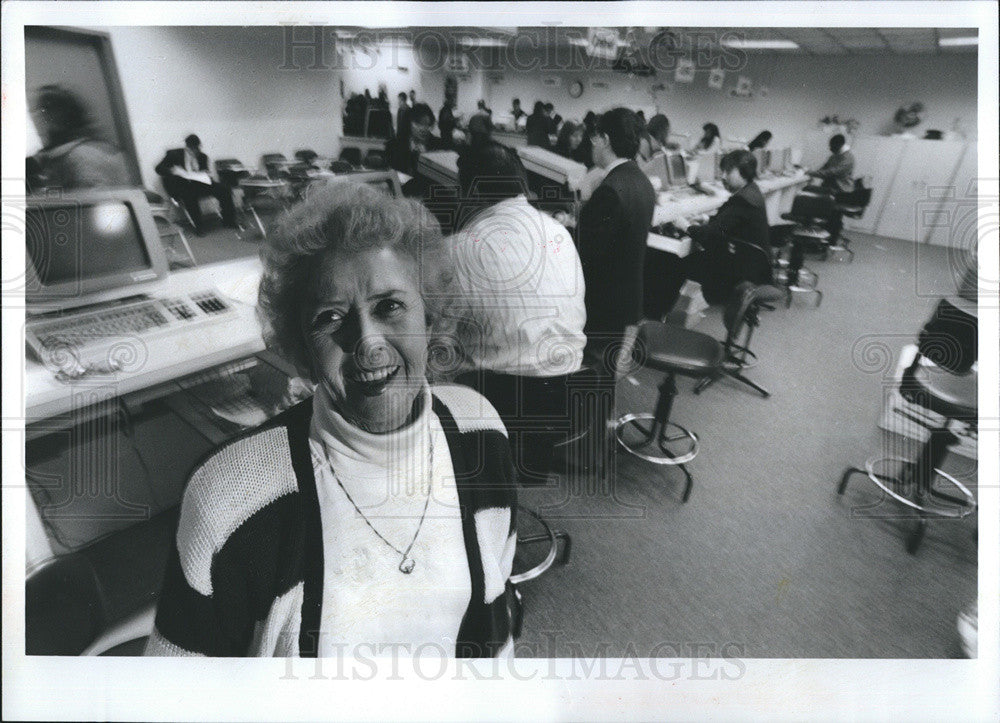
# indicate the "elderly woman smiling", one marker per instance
pixel 378 513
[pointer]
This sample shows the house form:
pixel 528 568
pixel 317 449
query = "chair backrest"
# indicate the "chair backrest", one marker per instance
pixel 272 163
pixel 352 155
pixel 306 155
pixel 950 338
pixel 813 208
pixel 340 166
pixel 375 160
pixel 64 607
pixel 750 262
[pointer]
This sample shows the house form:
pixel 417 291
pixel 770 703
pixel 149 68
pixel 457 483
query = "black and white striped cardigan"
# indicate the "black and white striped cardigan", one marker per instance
pixel 246 575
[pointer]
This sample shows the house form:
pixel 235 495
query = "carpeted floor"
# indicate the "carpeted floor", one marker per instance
pixel 765 559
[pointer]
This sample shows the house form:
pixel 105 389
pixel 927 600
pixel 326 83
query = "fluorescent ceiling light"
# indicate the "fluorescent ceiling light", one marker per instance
pixel 958 42
pixel 748 44
pixel 484 42
pixel 585 43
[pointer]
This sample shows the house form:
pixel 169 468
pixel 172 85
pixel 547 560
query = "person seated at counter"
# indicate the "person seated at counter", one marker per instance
pixel 759 141
pixel 659 133
pixel 570 138
pixel 537 127
pixel 837 174
pixel 372 513
pixel 520 309
pixel 646 148
pixel 710 142
pixel 403 151
pixel 742 216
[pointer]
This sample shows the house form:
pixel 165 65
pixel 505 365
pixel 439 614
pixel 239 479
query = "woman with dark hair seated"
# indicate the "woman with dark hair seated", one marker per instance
pixel 520 307
pixel 743 216
pixel 760 141
pixel 570 138
pixel 710 142
pixel 380 511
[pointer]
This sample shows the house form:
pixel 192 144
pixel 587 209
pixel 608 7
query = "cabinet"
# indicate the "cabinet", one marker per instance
pixel 926 170
pixel 955 220
pixel 877 160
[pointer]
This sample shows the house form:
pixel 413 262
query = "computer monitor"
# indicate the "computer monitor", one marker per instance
pixel 781 161
pixel 656 167
pixel 677 169
pixel 89 247
pixel 708 167
pixel 763 158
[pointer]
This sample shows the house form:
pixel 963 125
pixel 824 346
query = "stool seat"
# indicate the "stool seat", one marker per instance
pixel 679 350
pixel 950 395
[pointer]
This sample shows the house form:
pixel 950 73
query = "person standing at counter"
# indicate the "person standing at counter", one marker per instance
pixel 516 111
pixel 403 151
pixel 537 127
pixel 613 227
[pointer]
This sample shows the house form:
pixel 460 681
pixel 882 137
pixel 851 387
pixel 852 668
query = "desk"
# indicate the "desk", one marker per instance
pixel 363 143
pixel 511 139
pixel 164 359
pixel 552 166
pixel 778 193
pixel 439 167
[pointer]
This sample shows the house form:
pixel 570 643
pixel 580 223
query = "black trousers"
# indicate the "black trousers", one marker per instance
pixel 190 193
pixel 537 413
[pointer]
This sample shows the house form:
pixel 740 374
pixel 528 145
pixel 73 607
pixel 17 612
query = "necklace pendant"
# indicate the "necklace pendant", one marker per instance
pixel 406 565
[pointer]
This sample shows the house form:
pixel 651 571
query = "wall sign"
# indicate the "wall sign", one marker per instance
pixel 684 72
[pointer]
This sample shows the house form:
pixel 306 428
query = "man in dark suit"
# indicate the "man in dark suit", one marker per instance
pixel 612 231
pixel 743 216
pixel 178 170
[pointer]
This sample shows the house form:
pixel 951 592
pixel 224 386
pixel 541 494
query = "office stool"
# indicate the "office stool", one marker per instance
pixel 952 396
pixel 548 536
pixel 674 350
pixel 852 205
pixel 741 316
pixel 789 274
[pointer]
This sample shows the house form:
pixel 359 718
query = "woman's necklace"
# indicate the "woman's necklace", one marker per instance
pixel 406 563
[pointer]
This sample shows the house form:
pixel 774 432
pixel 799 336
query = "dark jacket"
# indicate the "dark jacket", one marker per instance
pixel 537 130
pixel 400 155
pixel 613 229
pixel 743 216
pixel 175 157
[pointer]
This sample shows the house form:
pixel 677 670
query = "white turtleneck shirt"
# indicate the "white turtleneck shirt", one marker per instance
pixel 367 600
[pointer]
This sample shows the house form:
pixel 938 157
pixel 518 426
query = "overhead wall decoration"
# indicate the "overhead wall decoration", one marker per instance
pixel 552 81
pixel 602 43
pixel 684 72
pixel 744 87
pixel 716 78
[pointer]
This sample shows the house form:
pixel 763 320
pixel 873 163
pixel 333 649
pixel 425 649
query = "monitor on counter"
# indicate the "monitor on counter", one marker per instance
pixel 677 169
pixel 656 167
pixel 89 247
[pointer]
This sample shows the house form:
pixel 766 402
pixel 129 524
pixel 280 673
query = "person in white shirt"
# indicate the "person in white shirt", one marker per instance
pixel 521 309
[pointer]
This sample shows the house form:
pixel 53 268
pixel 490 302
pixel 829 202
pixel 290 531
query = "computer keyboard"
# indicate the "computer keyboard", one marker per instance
pixel 87 335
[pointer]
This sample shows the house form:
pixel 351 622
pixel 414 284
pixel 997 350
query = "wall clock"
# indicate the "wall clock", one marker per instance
pixel 576 89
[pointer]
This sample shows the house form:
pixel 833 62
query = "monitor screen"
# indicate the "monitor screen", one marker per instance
pixel 656 167
pixel 708 167
pixel 90 244
pixel 66 243
pixel 677 169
